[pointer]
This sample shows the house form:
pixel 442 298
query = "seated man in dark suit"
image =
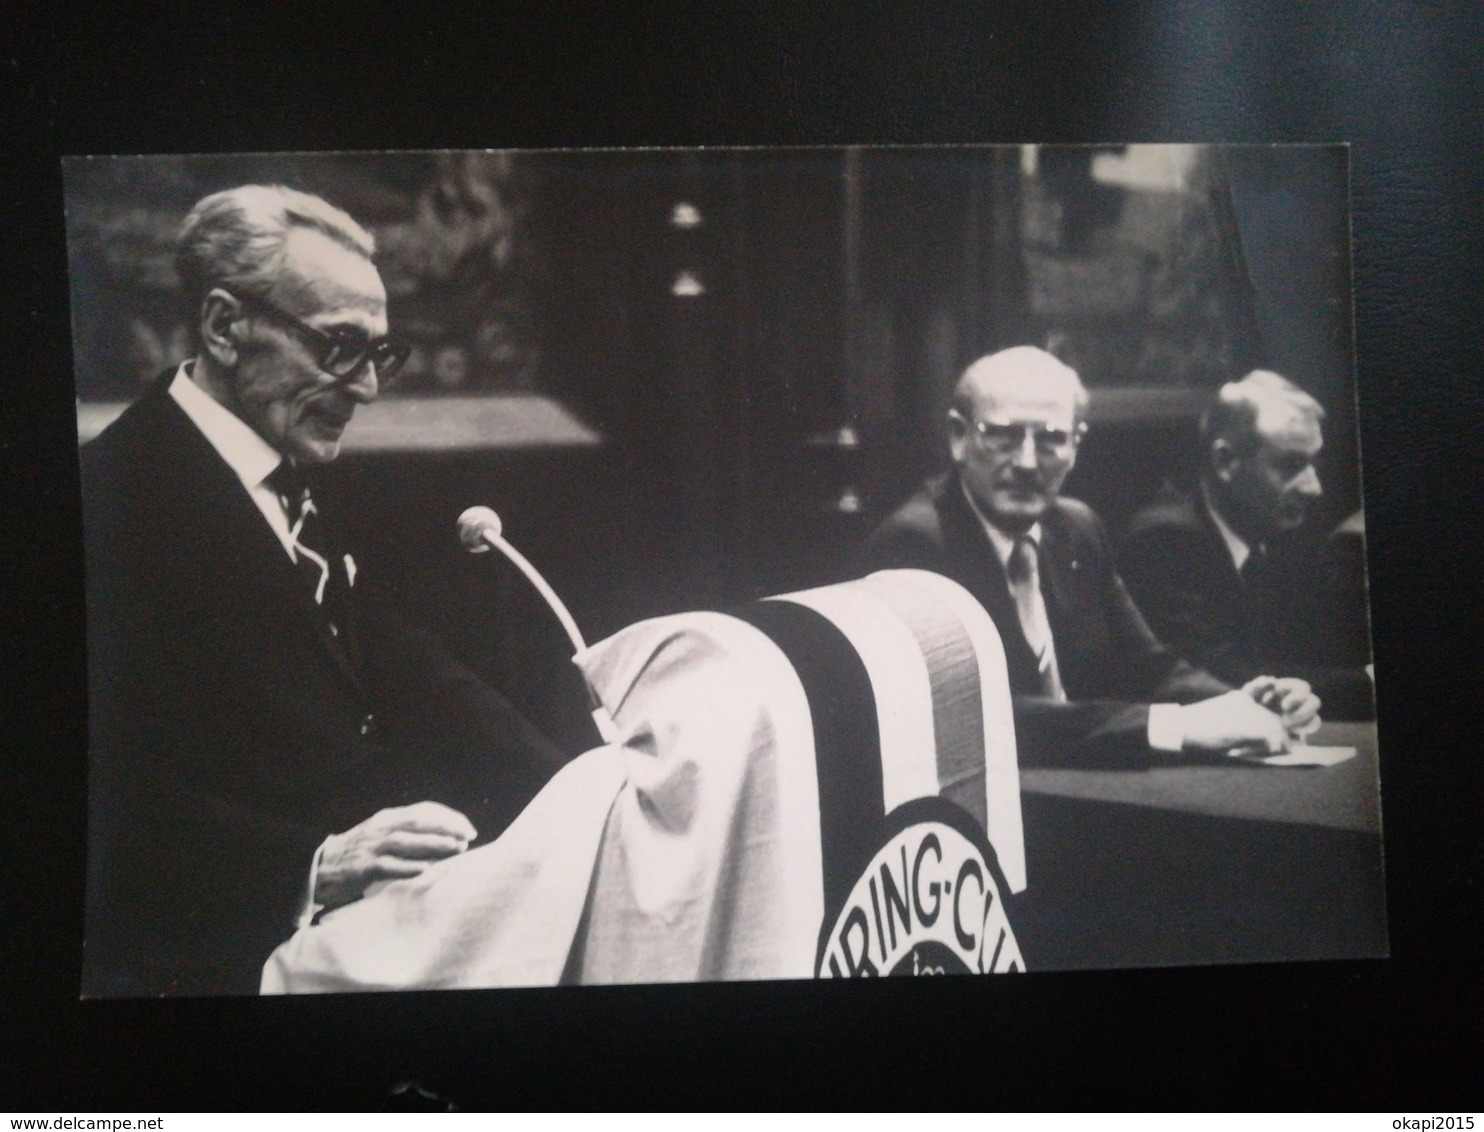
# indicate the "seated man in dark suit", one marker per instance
pixel 268 735
pixel 1090 682
pixel 1223 574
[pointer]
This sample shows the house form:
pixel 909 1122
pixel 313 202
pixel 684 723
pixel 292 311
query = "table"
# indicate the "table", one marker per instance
pixel 1338 797
pixel 1204 863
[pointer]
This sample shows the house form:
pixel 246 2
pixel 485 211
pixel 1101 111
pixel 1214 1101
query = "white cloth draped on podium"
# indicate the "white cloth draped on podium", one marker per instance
pixel 783 778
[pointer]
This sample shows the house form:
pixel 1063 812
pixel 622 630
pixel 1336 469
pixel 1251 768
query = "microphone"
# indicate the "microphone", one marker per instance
pixel 474 524
pixel 479 530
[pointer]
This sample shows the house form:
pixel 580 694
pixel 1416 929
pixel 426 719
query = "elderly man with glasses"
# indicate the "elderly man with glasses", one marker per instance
pixel 269 736
pixel 1091 683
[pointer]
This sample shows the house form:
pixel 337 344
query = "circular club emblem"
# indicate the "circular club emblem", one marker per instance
pixel 930 903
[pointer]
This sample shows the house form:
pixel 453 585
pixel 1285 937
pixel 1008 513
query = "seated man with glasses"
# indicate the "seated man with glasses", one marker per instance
pixel 1090 682
pixel 269 736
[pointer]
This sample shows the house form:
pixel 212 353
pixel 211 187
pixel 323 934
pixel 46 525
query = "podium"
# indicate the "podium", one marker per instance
pixel 821 784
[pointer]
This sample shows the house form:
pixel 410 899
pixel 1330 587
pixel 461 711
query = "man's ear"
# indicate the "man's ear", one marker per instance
pixel 220 311
pixel 958 435
pixel 1223 459
pixel 1079 430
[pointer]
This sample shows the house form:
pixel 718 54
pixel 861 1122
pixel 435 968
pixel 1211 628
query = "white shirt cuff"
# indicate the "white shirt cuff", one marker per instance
pixel 1166 728
pixel 308 909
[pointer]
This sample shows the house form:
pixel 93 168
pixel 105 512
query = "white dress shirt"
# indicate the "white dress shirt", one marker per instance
pixel 1236 545
pixel 251 457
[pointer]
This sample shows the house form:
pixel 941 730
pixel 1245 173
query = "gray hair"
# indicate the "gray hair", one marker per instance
pixel 235 239
pixel 1241 407
pixel 1017 360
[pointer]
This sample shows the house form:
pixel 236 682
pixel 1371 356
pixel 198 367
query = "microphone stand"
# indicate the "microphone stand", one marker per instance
pixel 480 529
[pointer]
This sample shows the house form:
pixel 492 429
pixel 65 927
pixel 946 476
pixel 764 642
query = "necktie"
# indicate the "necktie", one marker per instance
pixel 1025 587
pixel 310 548
pixel 1255 579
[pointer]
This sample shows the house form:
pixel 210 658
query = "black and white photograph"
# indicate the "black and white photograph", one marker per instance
pixel 551 568
pixel 538 536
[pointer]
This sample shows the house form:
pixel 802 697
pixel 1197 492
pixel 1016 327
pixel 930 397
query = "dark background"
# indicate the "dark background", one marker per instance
pixel 752 428
pixel 1402 84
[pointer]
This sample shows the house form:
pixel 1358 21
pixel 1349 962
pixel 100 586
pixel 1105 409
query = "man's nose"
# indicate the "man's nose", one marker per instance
pixel 1025 451
pixel 1308 484
pixel 363 385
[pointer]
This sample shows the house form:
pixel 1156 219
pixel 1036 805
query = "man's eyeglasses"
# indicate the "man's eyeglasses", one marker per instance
pixel 1006 438
pixel 340 353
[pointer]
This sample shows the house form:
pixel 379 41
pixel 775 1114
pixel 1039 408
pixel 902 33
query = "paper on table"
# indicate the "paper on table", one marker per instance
pixel 1300 755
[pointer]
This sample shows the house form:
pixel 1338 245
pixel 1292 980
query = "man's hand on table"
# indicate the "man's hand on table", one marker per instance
pixel 393 844
pixel 1233 719
pixel 1293 700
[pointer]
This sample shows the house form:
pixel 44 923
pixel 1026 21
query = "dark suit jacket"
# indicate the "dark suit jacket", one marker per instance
pixel 1112 666
pixel 230 733
pixel 1181 574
